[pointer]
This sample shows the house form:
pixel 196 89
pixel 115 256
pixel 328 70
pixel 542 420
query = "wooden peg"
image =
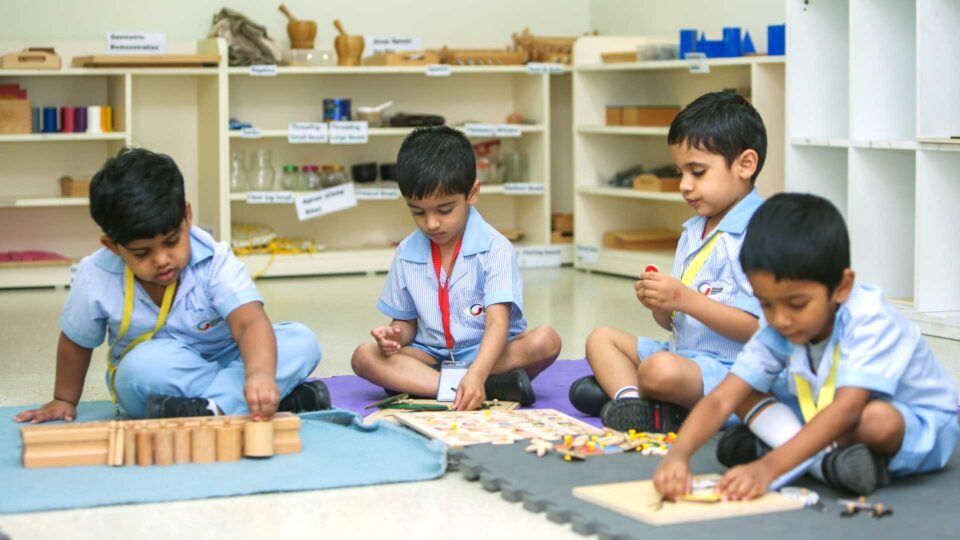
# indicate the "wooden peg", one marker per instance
pixel 130 447
pixel 144 448
pixel 258 439
pixel 229 442
pixel 112 444
pixel 119 447
pixel 181 444
pixel 203 445
pixel 163 447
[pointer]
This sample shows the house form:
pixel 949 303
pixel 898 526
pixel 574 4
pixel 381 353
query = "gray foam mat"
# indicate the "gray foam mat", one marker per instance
pixel 925 506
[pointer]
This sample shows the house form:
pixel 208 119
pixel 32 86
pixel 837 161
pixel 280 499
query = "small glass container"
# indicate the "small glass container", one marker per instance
pixel 239 180
pixel 264 176
pixel 290 179
pixel 335 175
pixel 311 178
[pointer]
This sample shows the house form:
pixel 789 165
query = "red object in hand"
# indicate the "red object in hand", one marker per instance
pixel 651 268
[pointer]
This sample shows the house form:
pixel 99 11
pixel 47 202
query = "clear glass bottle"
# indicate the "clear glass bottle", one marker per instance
pixel 290 179
pixel 264 176
pixel 335 176
pixel 311 178
pixel 239 180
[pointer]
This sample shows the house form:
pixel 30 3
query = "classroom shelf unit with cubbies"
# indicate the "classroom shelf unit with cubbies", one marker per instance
pixel 600 151
pixel 873 121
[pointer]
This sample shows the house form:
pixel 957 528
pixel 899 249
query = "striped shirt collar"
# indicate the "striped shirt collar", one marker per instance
pixel 200 249
pixel 737 218
pixel 476 239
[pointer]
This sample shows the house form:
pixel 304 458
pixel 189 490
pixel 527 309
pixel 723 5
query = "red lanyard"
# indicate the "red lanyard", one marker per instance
pixel 443 289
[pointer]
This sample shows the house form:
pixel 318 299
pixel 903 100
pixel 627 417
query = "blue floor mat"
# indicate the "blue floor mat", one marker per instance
pixel 338 451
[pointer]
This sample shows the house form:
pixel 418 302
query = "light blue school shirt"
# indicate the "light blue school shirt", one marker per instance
pixel 721 274
pixel 213 284
pixel 486 272
pixel 880 351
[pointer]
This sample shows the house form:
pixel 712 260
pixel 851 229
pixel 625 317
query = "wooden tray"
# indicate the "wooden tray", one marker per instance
pixel 641 239
pixel 650 182
pixel 414 58
pixel 146 60
pixel 31 59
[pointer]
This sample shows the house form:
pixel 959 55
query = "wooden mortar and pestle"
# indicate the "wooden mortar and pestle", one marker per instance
pixel 301 33
pixel 349 48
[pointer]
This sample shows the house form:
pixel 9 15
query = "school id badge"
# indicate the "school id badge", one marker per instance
pixel 451 372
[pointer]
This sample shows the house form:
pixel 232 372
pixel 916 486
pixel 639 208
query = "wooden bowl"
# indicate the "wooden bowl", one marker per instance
pixel 349 49
pixel 302 34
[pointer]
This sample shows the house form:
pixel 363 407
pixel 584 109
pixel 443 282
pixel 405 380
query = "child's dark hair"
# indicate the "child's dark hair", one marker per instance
pixel 436 161
pixel 797 236
pixel 137 195
pixel 721 123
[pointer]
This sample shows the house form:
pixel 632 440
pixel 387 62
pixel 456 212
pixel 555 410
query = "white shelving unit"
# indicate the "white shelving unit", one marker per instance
pixel 363 238
pixel 32 214
pixel 872 92
pixel 600 151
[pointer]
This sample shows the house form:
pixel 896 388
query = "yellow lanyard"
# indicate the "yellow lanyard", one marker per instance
pixel 691 272
pixel 805 394
pixel 128 295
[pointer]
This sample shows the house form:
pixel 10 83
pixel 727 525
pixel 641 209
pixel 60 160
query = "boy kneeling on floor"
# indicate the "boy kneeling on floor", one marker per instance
pixel 188 333
pixel 874 399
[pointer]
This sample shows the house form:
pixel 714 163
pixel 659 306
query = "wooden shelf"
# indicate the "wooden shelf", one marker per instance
pixel 40 202
pixel 820 142
pixel 627 263
pixel 382 70
pixel 333 261
pixel 623 130
pixel 627 193
pixel 64 137
pixel 107 72
pixel 35 274
pixel 679 64
pixel 372 132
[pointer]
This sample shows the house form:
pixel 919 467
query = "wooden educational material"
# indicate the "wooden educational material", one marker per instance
pixel 409 58
pixel 652 182
pixel 649 116
pixel 641 501
pixel 641 239
pixel 74 187
pixel 301 32
pixel 480 57
pixel 349 48
pixel 459 429
pixel 389 414
pixel 148 442
pixel 15 116
pixel 258 439
pixel 618 57
pixel 146 61
pixel 614 115
pixel 31 58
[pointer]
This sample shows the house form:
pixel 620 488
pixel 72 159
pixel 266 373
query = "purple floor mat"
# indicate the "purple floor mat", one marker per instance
pixel 352 393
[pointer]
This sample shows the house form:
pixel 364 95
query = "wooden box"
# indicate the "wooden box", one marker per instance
pixel 641 239
pixel 649 182
pixel 649 116
pixel 481 57
pixel 31 59
pixel 561 237
pixel 15 116
pixel 561 222
pixel 412 58
pixel 74 187
pixel 618 57
pixel 614 115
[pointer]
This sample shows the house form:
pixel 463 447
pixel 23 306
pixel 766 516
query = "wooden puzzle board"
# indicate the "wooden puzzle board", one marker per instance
pixel 641 501
pixel 389 415
pixel 459 429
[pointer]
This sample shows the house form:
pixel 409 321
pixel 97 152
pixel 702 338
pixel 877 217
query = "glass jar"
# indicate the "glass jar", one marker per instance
pixel 335 175
pixel 311 178
pixel 290 179
pixel 239 180
pixel 264 175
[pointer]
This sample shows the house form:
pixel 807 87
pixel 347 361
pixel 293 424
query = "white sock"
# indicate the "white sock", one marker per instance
pixel 212 407
pixel 775 425
pixel 627 392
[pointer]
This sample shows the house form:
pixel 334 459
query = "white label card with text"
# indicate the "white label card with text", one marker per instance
pixel 540 68
pixel 377 194
pixel 269 197
pixel 508 131
pixel 263 70
pixel 545 257
pixel 697 63
pixel 349 132
pixel 250 133
pixel 375 45
pixel 471 129
pixel 439 70
pixel 326 201
pixel 588 254
pixel 524 188
pixel 307 133
pixel 136 43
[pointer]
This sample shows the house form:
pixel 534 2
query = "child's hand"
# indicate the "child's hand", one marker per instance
pixel 659 291
pixel 388 339
pixel 470 393
pixel 262 396
pixel 672 478
pixel 55 410
pixel 746 482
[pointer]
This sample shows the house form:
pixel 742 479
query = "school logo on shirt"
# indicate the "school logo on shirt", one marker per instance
pixel 707 289
pixel 475 310
pixel 203 326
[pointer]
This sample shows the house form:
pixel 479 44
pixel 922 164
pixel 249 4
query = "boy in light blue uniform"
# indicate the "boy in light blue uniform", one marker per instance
pixel 454 289
pixel 188 333
pixel 718 143
pixel 832 352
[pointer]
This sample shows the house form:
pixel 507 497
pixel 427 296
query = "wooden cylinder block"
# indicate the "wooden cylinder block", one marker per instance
pixel 119 447
pixel 144 448
pixel 258 439
pixel 181 445
pixel 130 447
pixel 203 445
pixel 229 442
pixel 163 447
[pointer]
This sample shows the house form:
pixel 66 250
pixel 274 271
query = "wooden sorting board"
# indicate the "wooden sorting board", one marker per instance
pixel 641 501
pixel 459 429
pixel 157 60
pixel 389 415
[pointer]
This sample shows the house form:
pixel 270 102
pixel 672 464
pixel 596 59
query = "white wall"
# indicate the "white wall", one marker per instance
pixel 667 17
pixel 458 23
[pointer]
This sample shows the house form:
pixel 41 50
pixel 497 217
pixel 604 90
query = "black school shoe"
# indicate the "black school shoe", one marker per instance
pixel 306 397
pixel 511 386
pixel 856 469
pixel 643 415
pixel 159 406
pixel 739 446
pixel 587 397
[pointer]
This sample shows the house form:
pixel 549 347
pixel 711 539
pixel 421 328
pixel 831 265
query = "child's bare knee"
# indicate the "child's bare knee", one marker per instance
pixel 547 343
pixel 878 423
pixel 658 373
pixel 363 358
